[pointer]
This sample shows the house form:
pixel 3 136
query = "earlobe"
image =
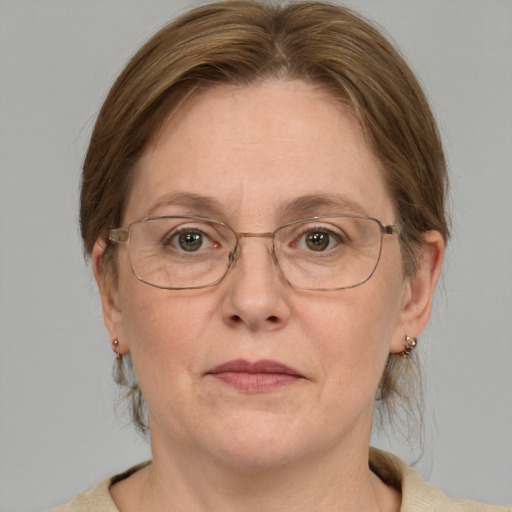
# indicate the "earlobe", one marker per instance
pixel 420 288
pixel 112 314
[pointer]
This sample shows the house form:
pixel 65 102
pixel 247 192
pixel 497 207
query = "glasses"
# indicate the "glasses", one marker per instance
pixel 318 253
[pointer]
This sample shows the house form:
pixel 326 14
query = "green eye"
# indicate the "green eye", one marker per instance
pixel 317 240
pixel 190 241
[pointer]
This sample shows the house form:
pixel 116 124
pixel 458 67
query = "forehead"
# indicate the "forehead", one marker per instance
pixel 255 151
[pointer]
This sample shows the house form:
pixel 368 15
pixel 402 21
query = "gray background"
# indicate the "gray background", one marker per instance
pixel 58 429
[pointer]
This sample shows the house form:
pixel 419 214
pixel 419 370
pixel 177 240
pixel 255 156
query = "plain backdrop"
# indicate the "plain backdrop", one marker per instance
pixel 58 429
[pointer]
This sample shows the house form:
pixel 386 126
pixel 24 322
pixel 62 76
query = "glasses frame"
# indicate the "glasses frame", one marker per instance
pixel 122 235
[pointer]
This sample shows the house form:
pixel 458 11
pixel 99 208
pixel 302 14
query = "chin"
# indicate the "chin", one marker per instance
pixel 254 444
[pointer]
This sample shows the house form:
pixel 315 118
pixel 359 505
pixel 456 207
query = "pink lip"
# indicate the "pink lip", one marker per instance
pixel 257 377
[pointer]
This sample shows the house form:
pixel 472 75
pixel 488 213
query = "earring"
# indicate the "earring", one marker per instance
pixel 410 345
pixel 115 348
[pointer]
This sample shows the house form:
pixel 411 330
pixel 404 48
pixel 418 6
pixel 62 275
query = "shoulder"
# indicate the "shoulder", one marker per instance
pixel 98 498
pixel 417 495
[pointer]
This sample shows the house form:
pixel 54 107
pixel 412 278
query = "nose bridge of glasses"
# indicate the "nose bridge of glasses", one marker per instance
pixel 255 235
pixel 239 235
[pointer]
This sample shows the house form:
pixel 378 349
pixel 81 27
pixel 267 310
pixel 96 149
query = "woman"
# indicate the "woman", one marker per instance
pixel 263 203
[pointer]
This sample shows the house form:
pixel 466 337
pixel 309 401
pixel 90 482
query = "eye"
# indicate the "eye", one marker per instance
pixel 317 240
pixel 189 240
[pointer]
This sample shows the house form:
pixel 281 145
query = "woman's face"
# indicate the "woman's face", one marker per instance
pixel 244 153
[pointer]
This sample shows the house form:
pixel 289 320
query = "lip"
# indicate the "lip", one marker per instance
pixel 255 377
pixel 263 366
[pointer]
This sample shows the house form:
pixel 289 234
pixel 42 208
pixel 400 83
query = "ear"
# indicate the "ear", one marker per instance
pixel 109 293
pixel 419 291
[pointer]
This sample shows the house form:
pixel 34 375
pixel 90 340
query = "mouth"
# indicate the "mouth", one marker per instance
pixel 255 377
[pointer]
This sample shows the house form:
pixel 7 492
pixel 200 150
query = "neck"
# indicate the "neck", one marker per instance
pixel 333 482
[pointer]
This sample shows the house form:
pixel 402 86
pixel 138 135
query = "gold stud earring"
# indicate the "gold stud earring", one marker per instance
pixel 115 348
pixel 410 345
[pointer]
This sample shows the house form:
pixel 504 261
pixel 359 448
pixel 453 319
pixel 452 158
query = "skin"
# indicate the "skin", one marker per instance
pixel 299 447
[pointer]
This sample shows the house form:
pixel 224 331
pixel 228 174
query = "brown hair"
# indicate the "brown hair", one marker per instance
pixel 242 41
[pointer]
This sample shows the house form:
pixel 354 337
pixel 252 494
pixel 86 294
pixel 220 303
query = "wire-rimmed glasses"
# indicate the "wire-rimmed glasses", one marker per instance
pixel 318 253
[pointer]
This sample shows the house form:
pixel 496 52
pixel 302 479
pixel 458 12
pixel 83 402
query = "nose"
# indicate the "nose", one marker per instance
pixel 256 295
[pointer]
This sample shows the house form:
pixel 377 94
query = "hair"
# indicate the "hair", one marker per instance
pixel 243 41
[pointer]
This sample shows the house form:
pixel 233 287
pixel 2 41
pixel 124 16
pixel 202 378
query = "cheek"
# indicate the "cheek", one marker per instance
pixel 160 333
pixel 349 339
pixel 352 331
pixel 169 337
pixel 154 320
pixel 157 323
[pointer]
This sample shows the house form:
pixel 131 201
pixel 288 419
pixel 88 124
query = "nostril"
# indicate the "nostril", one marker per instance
pixel 236 319
pixel 273 319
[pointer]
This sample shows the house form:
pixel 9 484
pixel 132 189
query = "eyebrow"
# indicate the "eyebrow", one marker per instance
pixel 206 205
pixel 315 204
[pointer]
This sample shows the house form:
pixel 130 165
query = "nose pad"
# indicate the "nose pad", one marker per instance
pixel 274 257
pixel 234 255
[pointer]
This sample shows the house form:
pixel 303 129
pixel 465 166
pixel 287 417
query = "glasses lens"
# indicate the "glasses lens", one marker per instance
pixel 177 252
pixel 329 252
